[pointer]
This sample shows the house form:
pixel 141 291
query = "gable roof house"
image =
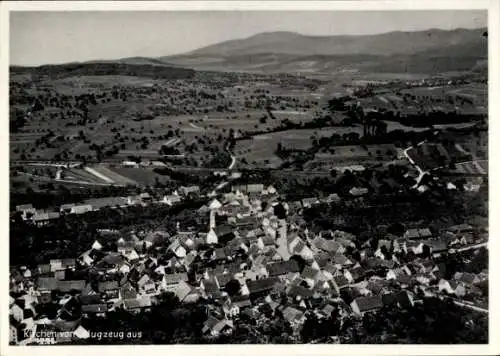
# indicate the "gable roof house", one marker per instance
pixel 293 316
pixel 282 268
pixel 215 327
pixel 452 287
pixel 177 248
pixel 436 245
pixel 94 309
pixel 171 281
pixel 109 288
pixel 189 190
pixel 309 202
pixel 362 305
pixel 467 278
pixel 310 276
pixel 138 304
pixel 261 287
pixel 417 234
pixel 220 234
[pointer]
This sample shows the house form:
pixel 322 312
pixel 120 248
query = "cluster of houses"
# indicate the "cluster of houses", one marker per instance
pixel 42 217
pixel 254 262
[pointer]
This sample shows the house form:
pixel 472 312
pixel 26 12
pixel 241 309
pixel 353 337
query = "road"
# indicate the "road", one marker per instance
pixel 196 126
pixel 462 304
pixel 233 162
pixel 462 249
pixel 421 173
pixel 470 306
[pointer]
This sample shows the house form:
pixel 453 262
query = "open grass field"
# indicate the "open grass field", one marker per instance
pixel 141 176
pixel 430 156
pixel 345 156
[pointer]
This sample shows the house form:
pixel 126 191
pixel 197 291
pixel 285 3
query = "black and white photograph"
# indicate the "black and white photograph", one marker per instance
pixel 248 176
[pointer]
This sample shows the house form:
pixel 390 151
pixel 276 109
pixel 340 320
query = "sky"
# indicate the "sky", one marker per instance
pixel 45 37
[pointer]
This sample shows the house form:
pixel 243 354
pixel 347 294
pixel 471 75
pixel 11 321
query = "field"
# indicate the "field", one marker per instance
pixel 353 156
pixel 109 118
pixel 431 156
pixel 142 176
pixel 445 97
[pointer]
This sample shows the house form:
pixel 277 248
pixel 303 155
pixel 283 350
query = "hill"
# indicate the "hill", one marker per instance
pixel 426 52
pixel 381 44
pixel 96 68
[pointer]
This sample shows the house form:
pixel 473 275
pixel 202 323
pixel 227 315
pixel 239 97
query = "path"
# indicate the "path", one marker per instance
pixel 70 181
pixel 196 126
pixel 233 162
pixel 421 173
pixel 98 175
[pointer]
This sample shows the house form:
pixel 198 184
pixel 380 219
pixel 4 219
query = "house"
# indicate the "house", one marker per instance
pixel 339 282
pixel 467 278
pixel 401 299
pixel 81 333
pixel 16 312
pixel 81 209
pixel 41 218
pixel 13 337
pixel 436 245
pixel 309 202
pixel 146 285
pixel 194 189
pixel 96 245
pixel 310 276
pixel 332 198
pixel 415 247
pixel 171 199
pixel 299 293
pixel 127 291
pixel 137 304
pixel 249 188
pixel 171 281
pixel 210 287
pixel 341 261
pixel 362 305
pixel 282 268
pixel 70 286
pixel 413 234
pixel 215 327
pixel 328 245
pixel 26 210
pixel 46 284
pixel 452 287
pixel 241 301
pixel 220 234
pixel 461 228
pixel 181 289
pixel 89 296
pixel 177 248
pixel 109 288
pixel 215 205
pixel 261 287
pixel 357 192
pixel 293 316
pixel 95 309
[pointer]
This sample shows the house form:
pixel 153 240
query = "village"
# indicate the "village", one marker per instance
pixel 254 263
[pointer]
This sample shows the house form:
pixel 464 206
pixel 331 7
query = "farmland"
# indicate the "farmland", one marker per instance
pixel 98 118
pixel 201 121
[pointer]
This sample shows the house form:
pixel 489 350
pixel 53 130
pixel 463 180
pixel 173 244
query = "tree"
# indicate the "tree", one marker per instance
pixel 233 287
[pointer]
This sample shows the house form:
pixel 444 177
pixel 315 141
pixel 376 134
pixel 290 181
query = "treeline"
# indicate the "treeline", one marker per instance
pixel 62 195
pixel 71 235
pixel 81 69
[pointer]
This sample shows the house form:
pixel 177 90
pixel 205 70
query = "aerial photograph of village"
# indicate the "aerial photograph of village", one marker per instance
pixel 248 177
